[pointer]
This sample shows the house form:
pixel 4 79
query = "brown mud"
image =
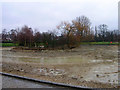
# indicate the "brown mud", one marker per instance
pixel 93 66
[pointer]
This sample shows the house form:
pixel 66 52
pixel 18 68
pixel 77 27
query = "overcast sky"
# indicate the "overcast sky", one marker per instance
pixel 45 15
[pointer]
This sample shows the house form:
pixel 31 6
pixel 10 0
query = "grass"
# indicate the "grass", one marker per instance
pixel 82 43
pixel 100 43
pixel 7 44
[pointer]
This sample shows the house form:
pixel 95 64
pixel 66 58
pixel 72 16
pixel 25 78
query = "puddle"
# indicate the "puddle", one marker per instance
pixel 97 61
pixel 45 60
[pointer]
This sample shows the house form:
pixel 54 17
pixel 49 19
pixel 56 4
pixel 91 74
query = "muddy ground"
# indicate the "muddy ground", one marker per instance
pixel 93 66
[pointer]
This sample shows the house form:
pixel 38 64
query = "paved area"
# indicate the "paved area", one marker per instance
pixel 10 82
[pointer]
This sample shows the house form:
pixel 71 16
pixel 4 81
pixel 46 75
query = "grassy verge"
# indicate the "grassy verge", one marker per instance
pixel 82 43
pixel 7 44
pixel 100 43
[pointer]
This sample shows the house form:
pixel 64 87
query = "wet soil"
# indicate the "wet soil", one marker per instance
pixel 93 66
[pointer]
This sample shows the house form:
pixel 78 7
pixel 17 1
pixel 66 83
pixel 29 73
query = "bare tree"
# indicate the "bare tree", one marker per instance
pixel 4 35
pixel 13 35
pixel 82 26
pixel 67 31
pixel 103 28
pixel 25 36
pixel 37 38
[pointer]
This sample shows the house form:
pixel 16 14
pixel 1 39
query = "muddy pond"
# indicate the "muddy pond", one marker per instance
pixel 88 65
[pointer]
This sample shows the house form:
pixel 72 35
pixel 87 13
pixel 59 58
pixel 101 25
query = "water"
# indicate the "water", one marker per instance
pixel 10 56
pixel 77 56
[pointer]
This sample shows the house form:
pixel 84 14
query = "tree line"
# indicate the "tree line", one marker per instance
pixel 71 34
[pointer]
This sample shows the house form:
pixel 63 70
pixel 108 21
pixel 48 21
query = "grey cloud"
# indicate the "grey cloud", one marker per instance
pixel 47 15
